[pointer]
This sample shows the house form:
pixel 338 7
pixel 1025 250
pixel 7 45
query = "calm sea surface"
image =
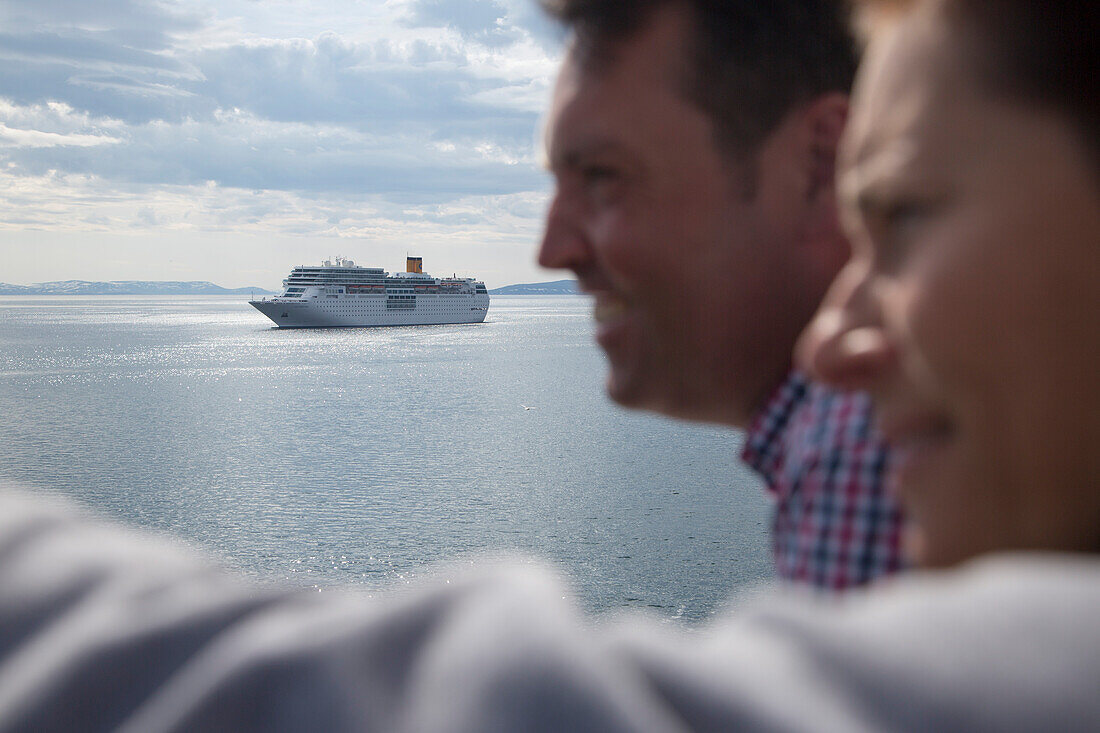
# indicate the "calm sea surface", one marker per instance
pixel 364 456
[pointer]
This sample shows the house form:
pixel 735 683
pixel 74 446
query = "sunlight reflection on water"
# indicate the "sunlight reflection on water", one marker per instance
pixel 363 455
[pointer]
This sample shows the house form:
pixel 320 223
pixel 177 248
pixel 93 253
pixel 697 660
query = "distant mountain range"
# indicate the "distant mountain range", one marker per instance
pixel 196 287
pixel 557 287
pixel 126 287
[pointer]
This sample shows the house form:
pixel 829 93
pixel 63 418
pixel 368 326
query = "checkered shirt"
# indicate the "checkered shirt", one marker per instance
pixel 835 525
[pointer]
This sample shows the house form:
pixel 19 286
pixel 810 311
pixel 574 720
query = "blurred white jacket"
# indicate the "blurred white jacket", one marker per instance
pixel 104 629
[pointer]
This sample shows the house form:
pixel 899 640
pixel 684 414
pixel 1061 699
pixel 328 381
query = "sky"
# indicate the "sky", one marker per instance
pixel 230 140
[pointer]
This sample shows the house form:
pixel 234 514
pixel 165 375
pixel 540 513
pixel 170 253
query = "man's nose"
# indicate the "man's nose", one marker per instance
pixel 845 344
pixel 563 244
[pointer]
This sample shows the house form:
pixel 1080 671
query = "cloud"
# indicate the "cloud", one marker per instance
pixel 330 80
pixel 527 14
pixel 132 115
pixel 472 18
pixel 244 151
pixel 325 114
pixel 113 57
pixel 90 70
pixel 210 207
pixel 128 21
pixel 494 23
pixel 38 139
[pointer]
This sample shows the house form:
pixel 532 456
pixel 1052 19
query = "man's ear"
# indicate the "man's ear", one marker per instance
pixel 824 119
pixel 823 123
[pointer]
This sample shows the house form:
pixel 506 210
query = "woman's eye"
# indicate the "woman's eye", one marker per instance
pixel 896 229
pixel 904 216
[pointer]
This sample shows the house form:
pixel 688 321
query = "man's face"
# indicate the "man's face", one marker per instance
pixel 970 307
pixel 688 270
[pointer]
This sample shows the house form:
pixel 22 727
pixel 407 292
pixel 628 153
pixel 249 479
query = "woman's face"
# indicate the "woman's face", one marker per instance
pixel 971 306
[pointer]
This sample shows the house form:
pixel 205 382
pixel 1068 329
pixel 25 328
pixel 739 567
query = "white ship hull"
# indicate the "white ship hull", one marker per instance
pixel 345 311
pixel 340 295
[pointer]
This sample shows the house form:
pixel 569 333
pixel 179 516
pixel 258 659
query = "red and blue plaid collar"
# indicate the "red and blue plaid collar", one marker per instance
pixel 763 448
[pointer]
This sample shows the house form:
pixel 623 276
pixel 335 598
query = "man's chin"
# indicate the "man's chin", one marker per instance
pixel 620 391
pixel 626 388
pixel 637 384
pixel 645 392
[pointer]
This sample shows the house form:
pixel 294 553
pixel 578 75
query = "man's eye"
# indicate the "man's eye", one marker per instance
pixel 603 185
pixel 598 174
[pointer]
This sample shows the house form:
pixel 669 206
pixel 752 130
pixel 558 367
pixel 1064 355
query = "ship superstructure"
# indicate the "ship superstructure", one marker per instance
pixel 341 293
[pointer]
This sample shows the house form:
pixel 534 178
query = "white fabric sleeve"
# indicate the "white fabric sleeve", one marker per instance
pixel 103 629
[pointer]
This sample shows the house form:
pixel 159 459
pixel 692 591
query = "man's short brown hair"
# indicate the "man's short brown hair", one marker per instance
pixel 753 60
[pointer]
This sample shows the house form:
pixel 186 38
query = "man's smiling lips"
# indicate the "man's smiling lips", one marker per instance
pixel 611 314
pixel 608 308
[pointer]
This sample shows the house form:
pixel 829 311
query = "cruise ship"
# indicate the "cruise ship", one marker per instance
pixel 340 293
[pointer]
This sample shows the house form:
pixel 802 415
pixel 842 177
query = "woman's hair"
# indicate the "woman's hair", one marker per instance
pixel 1042 52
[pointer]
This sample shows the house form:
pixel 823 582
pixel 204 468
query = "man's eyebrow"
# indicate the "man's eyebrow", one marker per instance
pixel 576 154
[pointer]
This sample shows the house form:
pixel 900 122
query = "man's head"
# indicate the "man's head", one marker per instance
pixel 692 145
pixel 970 187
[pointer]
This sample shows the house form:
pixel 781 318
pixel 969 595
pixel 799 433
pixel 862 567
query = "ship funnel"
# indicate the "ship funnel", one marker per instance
pixel 414 264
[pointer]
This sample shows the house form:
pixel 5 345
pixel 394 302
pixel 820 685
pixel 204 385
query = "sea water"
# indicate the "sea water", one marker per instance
pixel 367 456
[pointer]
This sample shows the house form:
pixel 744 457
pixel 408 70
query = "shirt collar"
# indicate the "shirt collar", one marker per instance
pixel 763 440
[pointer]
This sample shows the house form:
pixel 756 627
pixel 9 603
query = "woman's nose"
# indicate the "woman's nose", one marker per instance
pixel 845 345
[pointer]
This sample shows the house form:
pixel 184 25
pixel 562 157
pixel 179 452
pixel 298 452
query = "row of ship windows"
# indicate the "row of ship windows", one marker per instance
pixel 391 306
pixel 372 283
pixel 392 303
pixel 375 296
pixel 327 282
